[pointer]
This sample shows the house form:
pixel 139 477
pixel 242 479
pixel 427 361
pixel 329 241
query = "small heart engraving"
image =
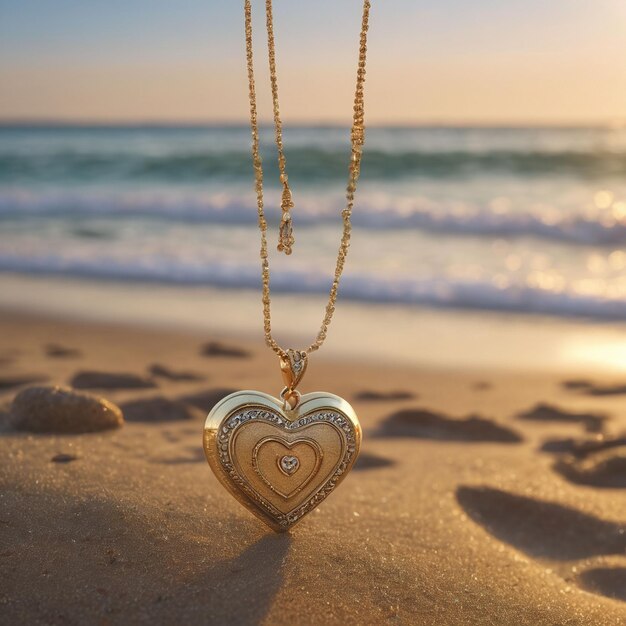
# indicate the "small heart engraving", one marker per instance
pixel 281 482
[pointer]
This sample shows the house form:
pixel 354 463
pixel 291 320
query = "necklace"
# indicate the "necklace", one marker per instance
pixel 281 457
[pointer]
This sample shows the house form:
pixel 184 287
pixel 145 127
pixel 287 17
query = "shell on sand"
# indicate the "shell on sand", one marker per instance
pixel 48 409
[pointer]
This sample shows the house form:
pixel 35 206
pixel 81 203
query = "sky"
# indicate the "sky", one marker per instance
pixel 450 61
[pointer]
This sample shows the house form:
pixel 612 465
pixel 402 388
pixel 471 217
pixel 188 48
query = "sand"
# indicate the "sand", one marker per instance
pixel 482 497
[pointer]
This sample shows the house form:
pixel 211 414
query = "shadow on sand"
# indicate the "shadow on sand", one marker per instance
pixel 541 529
pixel 134 564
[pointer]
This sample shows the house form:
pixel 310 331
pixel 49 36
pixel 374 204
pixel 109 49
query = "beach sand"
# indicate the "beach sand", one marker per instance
pixel 483 496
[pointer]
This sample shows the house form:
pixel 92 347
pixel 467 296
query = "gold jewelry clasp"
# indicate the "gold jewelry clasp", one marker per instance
pixel 293 364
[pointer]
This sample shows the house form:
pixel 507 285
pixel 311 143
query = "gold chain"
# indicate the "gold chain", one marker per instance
pixel 357 139
pixel 285 231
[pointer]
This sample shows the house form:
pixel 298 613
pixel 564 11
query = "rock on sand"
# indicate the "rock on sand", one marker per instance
pixel 46 409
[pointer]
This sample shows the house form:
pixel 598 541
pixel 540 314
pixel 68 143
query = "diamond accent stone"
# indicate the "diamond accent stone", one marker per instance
pixel 289 464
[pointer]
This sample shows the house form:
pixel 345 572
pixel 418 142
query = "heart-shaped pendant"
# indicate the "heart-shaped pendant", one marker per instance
pixel 281 463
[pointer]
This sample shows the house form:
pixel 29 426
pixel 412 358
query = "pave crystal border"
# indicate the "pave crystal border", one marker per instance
pixel 242 416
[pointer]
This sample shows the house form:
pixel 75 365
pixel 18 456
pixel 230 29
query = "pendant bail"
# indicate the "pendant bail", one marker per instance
pixel 290 398
pixel 293 364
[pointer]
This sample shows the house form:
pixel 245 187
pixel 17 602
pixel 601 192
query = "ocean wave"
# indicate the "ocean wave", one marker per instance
pixel 587 226
pixel 310 164
pixel 432 292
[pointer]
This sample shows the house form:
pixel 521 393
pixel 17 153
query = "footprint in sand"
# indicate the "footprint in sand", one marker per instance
pixel 217 349
pixel 592 422
pixel 371 461
pixel 549 531
pixel 161 371
pixel 558 446
pixel 384 396
pixel 56 351
pixel 425 424
pixel 109 380
pixel 581 448
pixel 156 409
pixel 595 462
pixel 590 388
pixel 608 581
pixel 526 523
pixel 605 469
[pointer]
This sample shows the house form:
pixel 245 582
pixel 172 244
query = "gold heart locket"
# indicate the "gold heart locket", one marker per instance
pixel 282 457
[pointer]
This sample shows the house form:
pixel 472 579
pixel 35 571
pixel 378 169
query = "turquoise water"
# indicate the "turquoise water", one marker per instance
pixel 530 220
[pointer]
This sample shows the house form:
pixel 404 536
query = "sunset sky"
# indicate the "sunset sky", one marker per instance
pixel 453 61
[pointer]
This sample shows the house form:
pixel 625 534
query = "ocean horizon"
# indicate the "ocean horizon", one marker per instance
pixel 524 219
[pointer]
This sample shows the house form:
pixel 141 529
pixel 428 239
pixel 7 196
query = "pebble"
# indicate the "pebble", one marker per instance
pixel 156 409
pixel 47 409
pixel 217 349
pixel 110 380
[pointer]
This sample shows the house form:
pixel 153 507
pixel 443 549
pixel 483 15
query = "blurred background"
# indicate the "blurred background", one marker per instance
pixel 493 188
